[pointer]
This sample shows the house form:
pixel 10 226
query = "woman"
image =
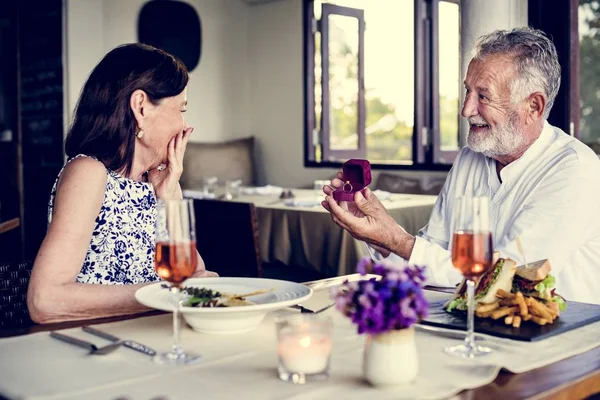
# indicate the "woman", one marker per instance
pixel 125 150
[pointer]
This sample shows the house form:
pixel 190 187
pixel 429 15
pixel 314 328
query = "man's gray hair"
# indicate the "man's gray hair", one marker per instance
pixel 535 59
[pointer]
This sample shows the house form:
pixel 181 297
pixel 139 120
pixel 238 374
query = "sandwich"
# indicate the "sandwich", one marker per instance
pixel 499 277
pixel 534 280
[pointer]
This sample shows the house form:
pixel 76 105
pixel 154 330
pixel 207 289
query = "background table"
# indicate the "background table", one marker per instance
pixel 305 235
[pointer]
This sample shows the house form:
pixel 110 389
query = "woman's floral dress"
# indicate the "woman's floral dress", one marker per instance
pixel 121 249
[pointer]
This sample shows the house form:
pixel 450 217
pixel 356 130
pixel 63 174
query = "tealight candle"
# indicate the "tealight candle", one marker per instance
pixel 304 347
pixel 308 354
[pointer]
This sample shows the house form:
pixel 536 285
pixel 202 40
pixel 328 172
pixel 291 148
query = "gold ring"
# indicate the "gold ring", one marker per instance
pixel 347 184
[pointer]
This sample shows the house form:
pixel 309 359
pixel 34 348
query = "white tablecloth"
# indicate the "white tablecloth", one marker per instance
pixel 243 366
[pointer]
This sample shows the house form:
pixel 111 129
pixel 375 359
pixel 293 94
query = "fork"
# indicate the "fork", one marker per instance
pixel 305 310
pixel 127 343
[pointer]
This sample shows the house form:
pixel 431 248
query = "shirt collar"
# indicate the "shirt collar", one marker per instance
pixel 516 168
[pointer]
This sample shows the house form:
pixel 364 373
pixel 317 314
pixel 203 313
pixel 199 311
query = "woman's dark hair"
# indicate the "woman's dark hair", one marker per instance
pixel 104 125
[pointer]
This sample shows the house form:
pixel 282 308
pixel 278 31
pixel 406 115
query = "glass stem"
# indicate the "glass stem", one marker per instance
pixel 176 322
pixel 470 338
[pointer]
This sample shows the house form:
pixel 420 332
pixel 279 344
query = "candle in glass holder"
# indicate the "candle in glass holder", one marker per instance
pixel 308 354
pixel 304 347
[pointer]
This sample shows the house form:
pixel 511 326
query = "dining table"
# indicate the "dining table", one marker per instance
pixel 35 366
pixel 298 231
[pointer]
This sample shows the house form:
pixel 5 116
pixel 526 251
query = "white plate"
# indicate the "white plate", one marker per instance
pixel 228 319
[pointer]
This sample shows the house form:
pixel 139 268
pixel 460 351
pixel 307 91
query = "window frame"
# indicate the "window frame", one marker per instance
pixel 326 150
pixel 436 152
pixel 559 20
pixel 425 138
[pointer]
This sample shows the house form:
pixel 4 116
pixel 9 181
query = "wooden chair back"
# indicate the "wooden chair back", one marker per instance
pixel 227 237
pixel 14 279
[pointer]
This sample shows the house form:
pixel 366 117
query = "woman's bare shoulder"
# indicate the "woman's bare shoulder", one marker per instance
pixel 78 199
pixel 83 176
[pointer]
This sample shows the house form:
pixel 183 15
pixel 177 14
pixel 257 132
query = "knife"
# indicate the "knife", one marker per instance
pixel 127 343
pixel 72 340
pixel 448 333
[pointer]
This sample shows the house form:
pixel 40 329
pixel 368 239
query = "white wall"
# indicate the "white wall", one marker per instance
pixel 218 92
pixel 276 87
pixel 507 14
pixel 84 46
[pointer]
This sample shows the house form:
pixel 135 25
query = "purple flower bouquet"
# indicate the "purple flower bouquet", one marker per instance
pixel 394 302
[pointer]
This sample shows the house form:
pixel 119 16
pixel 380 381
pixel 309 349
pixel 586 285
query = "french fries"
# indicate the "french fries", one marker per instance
pixel 539 321
pixel 539 309
pixel 483 314
pixel 521 303
pixel 516 308
pixel 487 307
pixel 504 311
pixel 516 322
pixel 509 302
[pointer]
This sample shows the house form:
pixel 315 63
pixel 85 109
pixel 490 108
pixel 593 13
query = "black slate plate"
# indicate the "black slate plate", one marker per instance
pixel 576 315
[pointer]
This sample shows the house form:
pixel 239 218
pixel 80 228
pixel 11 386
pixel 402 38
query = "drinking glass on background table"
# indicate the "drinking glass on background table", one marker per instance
pixel 209 185
pixel 319 183
pixel 472 255
pixel 232 189
pixel 175 261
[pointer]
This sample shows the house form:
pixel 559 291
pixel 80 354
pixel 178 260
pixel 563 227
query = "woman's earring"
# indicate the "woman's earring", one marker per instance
pixel 140 134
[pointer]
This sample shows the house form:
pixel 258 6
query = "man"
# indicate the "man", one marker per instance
pixel 543 185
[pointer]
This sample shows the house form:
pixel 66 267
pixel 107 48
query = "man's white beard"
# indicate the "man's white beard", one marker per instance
pixel 505 139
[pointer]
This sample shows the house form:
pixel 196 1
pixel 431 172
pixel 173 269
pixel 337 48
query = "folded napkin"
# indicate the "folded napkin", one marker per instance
pixel 382 194
pixel 261 190
pixel 305 202
pixel 198 194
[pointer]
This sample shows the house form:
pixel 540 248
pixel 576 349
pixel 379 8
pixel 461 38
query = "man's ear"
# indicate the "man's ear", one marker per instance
pixel 137 102
pixel 536 105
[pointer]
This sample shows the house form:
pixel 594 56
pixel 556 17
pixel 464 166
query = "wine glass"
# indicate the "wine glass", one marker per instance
pixel 209 186
pixel 472 255
pixel 175 261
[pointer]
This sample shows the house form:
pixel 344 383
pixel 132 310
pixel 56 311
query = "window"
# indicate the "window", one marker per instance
pixel 450 83
pixel 589 64
pixel 378 86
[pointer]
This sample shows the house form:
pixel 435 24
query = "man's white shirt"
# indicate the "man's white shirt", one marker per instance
pixel 550 198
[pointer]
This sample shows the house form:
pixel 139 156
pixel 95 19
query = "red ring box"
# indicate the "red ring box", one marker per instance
pixel 358 173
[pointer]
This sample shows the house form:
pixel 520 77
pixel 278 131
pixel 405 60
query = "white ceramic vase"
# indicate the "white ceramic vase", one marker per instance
pixel 391 358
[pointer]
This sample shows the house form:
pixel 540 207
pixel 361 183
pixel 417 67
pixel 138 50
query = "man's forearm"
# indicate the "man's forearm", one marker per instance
pixel 403 244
